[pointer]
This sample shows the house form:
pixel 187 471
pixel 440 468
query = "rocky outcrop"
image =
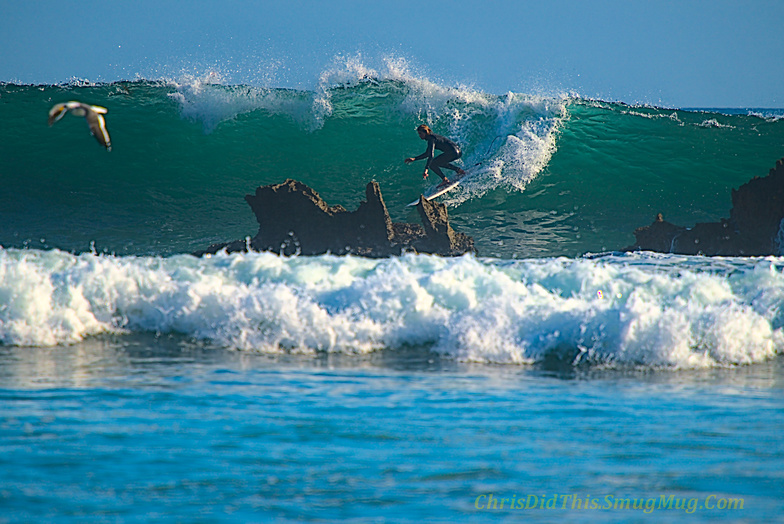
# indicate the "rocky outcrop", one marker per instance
pixel 294 219
pixel 758 208
pixel 752 229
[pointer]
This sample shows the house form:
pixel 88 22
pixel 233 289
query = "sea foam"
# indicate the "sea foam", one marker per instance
pixel 615 310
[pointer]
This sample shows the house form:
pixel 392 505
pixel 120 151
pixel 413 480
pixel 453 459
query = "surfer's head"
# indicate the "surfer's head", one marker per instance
pixel 423 131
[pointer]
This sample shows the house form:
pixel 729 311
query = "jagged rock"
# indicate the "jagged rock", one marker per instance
pixel 294 219
pixel 758 208
pixel 439 236
pixel 752 229
pixel 658 236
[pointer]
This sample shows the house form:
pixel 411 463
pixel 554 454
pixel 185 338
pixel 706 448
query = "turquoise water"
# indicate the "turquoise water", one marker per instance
pixel 556 176
pixel 139 430
pixel 140 383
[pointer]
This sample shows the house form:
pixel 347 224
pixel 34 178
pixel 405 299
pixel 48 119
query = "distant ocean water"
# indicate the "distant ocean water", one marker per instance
pixel 140 382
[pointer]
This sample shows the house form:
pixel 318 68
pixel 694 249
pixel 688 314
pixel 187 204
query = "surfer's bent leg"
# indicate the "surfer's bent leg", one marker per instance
pixel 443 160
pixel 454 167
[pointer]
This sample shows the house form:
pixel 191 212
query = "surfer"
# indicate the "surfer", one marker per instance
pixel 451 152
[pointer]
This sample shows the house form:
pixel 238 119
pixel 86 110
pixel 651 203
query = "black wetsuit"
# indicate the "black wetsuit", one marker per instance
pixel 451 152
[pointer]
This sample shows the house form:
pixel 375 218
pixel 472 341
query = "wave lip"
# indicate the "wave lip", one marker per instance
pixel 509 137
pixel 614 311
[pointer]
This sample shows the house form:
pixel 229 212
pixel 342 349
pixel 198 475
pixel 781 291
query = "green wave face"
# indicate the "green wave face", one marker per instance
pixel 549 175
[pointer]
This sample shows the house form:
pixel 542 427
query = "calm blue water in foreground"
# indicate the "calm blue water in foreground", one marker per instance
pixel 141 429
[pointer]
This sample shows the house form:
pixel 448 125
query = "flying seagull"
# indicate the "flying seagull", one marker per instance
pixel 93 115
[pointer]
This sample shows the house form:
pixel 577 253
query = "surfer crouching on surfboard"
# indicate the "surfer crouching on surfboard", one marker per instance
pixel 451 152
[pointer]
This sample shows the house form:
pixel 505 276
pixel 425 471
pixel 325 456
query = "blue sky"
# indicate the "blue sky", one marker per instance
pixel 683 53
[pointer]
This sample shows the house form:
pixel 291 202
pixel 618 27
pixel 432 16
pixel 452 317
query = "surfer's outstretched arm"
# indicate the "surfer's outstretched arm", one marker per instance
pixel 427 154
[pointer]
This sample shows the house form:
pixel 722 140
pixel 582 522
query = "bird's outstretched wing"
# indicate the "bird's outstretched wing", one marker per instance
pixel 97 124
pixel 93 114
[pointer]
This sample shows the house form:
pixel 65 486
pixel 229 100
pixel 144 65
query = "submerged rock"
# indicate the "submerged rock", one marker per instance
pixel 753 228
pixel 294 219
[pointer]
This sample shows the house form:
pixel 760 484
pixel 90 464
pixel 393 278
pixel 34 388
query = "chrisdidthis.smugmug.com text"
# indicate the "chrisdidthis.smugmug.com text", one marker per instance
pixel 514 502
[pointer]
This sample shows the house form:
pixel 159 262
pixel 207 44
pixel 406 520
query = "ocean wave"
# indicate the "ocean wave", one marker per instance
pixel 550 175
pixel 509 137
pixel 611 311
pixel 770 115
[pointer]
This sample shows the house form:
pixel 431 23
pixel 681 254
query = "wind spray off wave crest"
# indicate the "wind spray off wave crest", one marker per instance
pixel 208 100
pixel 509 138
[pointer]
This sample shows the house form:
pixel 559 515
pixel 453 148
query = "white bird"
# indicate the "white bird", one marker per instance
pixel 93 115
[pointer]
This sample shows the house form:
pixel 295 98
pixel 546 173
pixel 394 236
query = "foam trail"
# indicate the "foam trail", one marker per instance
pixel 511 138
pixel 613 311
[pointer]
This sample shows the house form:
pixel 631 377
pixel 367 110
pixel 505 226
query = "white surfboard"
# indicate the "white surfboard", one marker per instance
pixel 439 190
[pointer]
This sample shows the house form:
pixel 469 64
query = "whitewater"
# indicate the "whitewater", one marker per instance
pixel 608 311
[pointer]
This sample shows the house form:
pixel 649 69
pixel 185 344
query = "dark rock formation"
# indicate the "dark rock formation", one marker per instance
pixel 293 219
pixel 752 229
pixel 758 208
pixel 656 237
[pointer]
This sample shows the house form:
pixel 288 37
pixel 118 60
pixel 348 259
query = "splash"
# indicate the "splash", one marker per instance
pixel 636 310
pixel 207 99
